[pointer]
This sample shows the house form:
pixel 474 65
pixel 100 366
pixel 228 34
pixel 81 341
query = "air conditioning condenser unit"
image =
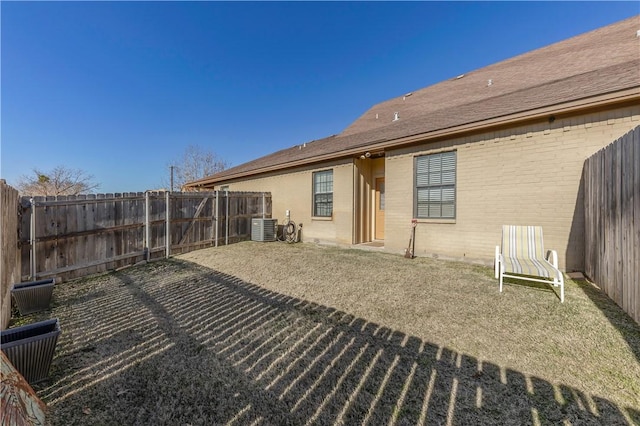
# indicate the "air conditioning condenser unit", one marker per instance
pixel 264 229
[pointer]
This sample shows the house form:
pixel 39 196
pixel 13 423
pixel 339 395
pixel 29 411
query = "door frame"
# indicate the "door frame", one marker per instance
pixel 365 172
pixel 378 228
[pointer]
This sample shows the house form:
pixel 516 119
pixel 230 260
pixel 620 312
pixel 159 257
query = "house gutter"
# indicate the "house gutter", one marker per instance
pixel 620 97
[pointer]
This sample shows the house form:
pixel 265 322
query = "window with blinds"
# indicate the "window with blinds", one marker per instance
pixel 323 193
pixel 435 196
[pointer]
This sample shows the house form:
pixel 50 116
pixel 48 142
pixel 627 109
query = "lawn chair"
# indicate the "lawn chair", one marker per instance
pixel 522 257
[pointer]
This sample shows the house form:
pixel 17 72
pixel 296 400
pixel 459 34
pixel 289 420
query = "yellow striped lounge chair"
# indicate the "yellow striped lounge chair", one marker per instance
pixel 522 256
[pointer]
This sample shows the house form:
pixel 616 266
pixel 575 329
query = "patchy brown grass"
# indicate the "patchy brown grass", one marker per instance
pixel 295 334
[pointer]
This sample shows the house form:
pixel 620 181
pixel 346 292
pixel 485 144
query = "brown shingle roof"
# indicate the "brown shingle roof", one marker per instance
pixel 601 62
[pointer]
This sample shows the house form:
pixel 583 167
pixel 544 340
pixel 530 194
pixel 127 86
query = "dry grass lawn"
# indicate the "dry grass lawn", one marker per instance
pixel 257 333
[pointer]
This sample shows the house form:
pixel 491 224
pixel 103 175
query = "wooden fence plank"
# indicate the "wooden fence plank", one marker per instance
pixel 612 221
pixel 616 229
pixel 626 205
pixel 69 223
pixel 10 253
pixel 635 190
pixel 77 236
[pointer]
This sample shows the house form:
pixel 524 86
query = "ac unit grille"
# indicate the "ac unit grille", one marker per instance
pixel 264 229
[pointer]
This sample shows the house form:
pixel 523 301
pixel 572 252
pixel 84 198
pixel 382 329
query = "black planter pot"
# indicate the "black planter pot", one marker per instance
pixel 30 348
pixel 33 296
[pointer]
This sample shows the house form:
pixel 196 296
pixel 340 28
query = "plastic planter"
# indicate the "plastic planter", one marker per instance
pixel 34 296
pixel 30 348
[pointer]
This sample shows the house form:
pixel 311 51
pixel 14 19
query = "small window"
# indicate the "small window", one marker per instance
pixel 323 193
pixel 224 188
pixel 436 186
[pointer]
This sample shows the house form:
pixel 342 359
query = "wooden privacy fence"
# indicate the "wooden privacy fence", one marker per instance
pixel 73 236
pixel 9 254
pixel 612 221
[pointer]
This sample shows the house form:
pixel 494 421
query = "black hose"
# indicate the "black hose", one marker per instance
pixel 289 231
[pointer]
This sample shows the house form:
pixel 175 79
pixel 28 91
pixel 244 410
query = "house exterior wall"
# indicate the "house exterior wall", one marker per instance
pixel 293 190
pixel 528 175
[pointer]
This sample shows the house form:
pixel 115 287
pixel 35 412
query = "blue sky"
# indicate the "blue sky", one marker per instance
pixel 120 89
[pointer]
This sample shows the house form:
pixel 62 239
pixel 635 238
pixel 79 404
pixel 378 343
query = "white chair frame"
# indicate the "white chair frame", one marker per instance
pixel 551 259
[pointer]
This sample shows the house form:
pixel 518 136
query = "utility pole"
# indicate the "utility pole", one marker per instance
pixel 171 167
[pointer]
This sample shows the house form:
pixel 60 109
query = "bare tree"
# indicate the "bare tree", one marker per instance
pixel 195 163
pixel 59 181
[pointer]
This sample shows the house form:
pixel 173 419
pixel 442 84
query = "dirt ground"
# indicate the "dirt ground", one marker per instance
pixel 272 333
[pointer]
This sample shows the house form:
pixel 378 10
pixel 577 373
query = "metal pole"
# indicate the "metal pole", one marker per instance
pixel 226 232
pixel 171 167
pixel 216 217
pixel 168 231
pixel 33 239
pixel 147 225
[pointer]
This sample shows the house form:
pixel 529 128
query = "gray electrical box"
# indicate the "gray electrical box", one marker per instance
pixel 264 229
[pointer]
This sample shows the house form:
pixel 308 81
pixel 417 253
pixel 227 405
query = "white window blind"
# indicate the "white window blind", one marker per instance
pixel 436 186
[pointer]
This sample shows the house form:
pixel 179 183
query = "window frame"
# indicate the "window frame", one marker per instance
pixel 435 186
pixel 315 193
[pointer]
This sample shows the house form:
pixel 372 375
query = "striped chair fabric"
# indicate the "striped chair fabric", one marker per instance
pixel 523 252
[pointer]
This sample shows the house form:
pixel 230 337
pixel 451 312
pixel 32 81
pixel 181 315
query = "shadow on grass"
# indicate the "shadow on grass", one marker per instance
pixel 622 321
pixel 177 343
pixel 576 255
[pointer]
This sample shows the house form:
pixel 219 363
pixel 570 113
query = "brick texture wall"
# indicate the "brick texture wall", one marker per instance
pixel 528 175
pixel 292 191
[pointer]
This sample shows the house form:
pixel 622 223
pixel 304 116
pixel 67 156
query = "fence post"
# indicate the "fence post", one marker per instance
pixel 147 225
pixel 226 230
pixel 168 219
pixel 215 218
pixel 32 237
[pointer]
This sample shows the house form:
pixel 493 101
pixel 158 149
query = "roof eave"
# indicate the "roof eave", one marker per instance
pixel 599 101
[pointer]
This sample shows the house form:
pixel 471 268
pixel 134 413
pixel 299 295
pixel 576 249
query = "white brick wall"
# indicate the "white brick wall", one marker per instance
pixel 292 190
pixel 526 175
